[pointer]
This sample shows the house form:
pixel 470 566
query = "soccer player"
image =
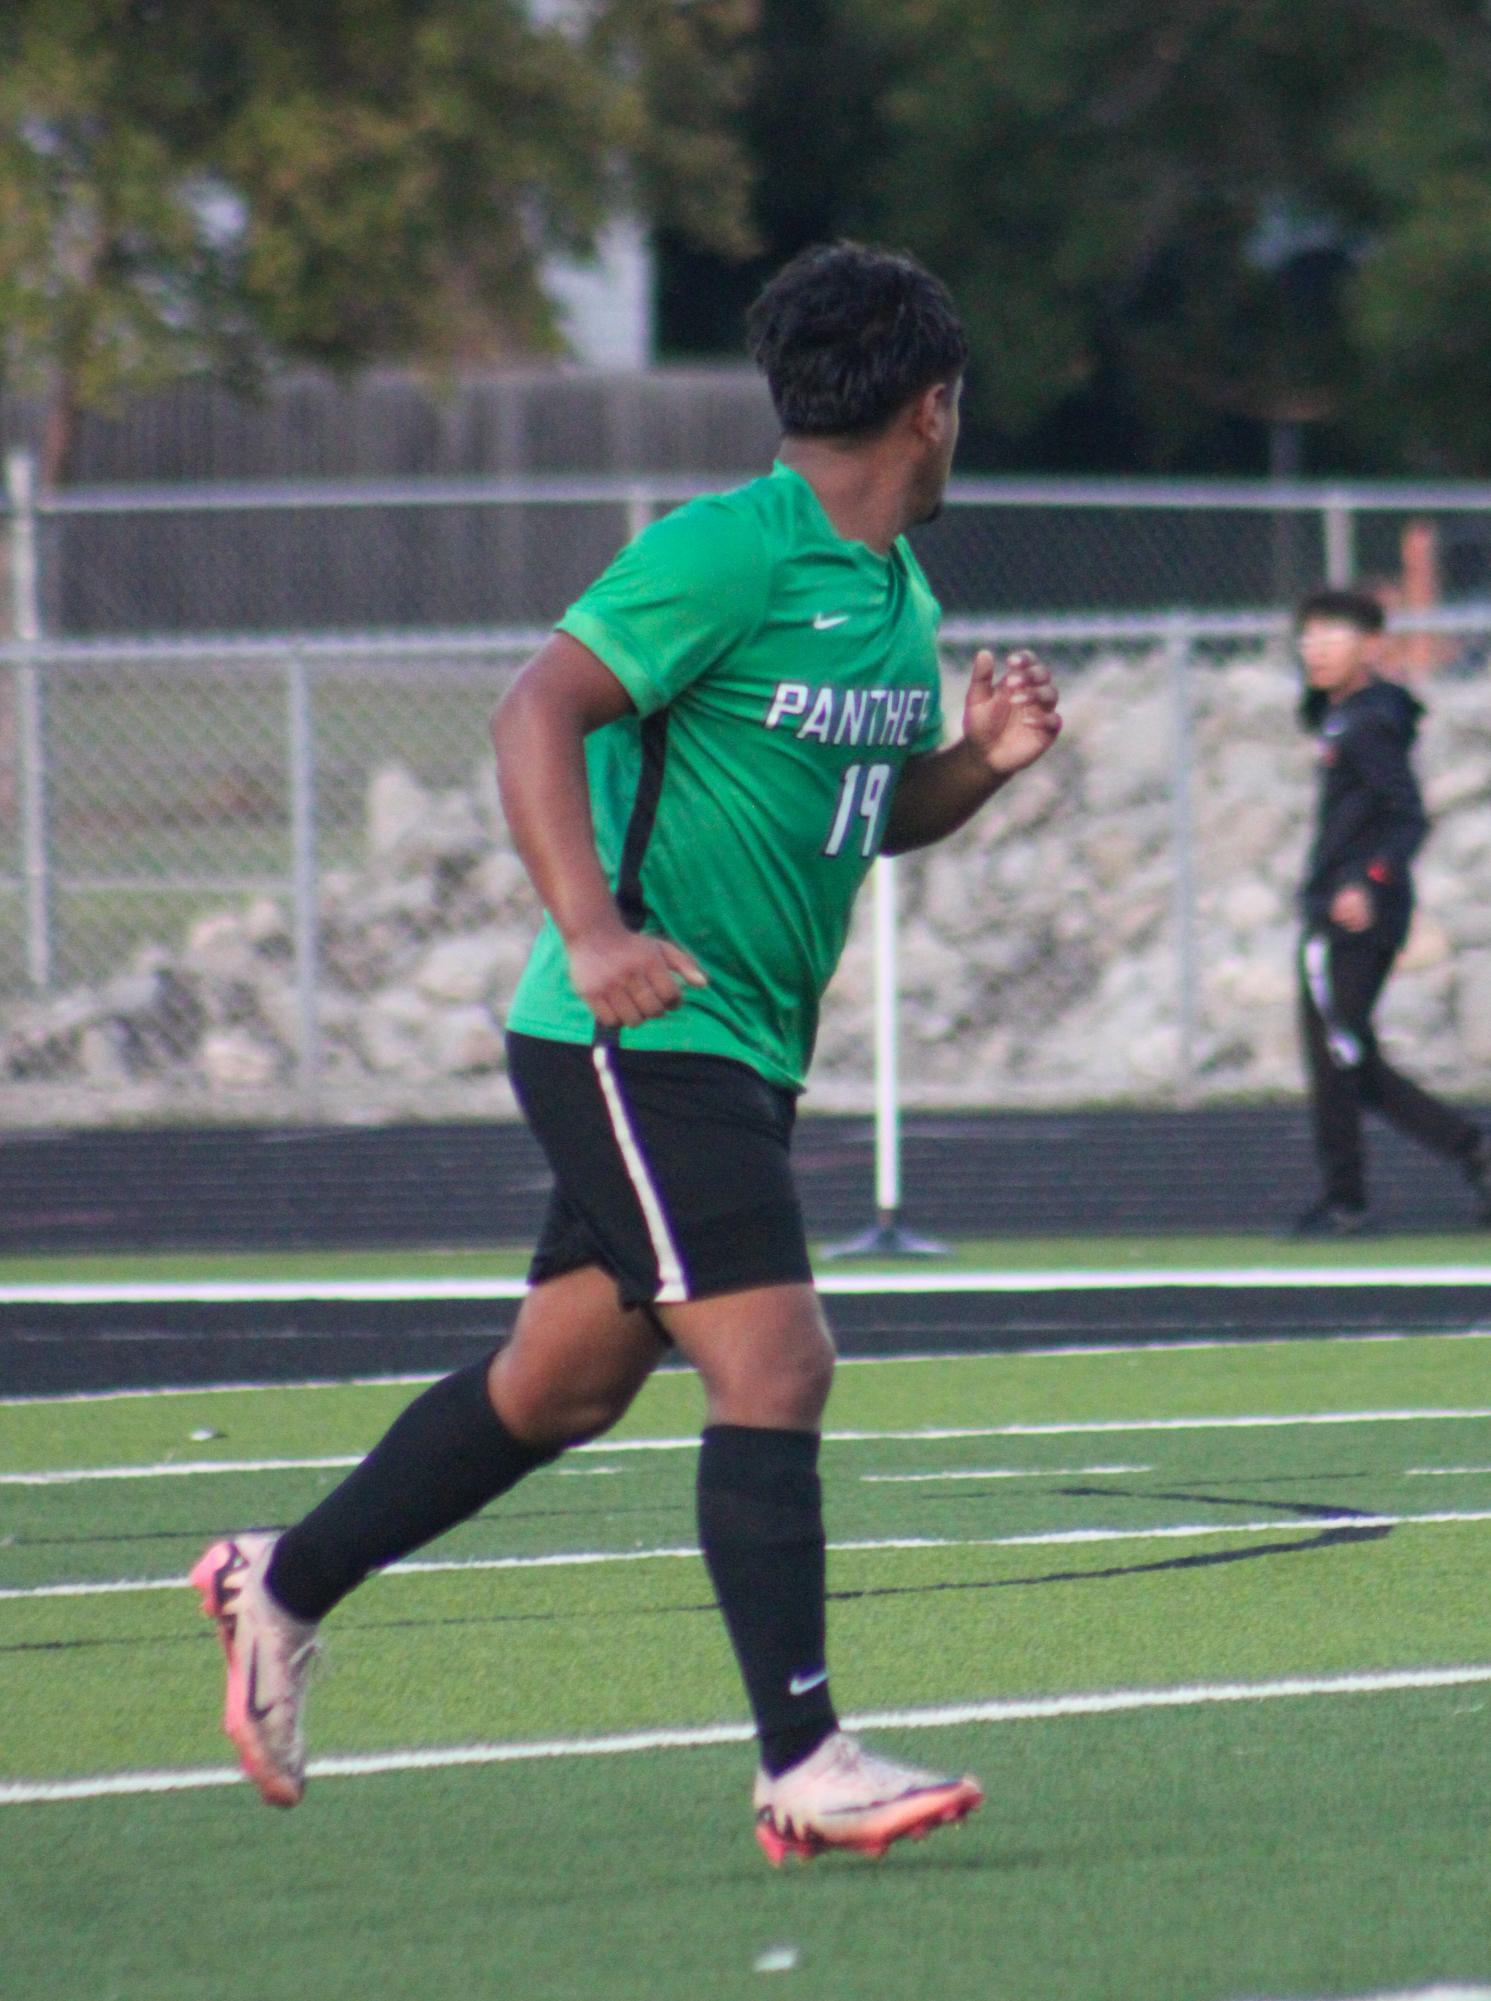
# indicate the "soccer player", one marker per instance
pixel 1357 900
pixel 698 768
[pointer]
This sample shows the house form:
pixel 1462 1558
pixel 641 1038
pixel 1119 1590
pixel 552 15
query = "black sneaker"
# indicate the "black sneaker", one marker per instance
pixel 1331 1219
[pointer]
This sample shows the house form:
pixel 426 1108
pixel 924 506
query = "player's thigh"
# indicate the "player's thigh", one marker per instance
pixel 575 1360
pixel 765 1354
pixel 1359 966
pixel 671 1169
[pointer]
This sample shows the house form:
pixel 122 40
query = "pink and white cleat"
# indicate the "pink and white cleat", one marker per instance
pixel 844 1796
pixel 269 1654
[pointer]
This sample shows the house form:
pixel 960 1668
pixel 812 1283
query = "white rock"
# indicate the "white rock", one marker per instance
pixel 1465 836
pixel 1467 782
pixel 234 1059
pixel 1153 1056
pixel 501 880
pixel 102 1054
pixel 1473 1005
pixel 390 1031
pixel 265 925
pixel 463 1042
pixel 1249 906
pixel 1428 944
pixel 397 805
pixel 219 929
pixel 470 967
pixel 1244 984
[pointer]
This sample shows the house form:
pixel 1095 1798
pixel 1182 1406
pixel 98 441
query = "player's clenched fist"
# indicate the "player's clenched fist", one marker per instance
pixel 1011 718
pixel 626 977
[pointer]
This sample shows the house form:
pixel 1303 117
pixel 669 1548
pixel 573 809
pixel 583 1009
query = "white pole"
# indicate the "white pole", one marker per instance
pixel 303 867
pixel 25 618
pixel 1183 842
pixel 887 1083
pixel 1340 544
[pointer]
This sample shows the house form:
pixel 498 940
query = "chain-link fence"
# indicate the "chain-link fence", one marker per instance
pixel 267 877
pixel 307 556
pixel 271 879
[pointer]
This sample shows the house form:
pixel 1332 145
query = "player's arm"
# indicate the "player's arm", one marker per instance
pixel 1383 765
pixel 539 730
pixel 1009 720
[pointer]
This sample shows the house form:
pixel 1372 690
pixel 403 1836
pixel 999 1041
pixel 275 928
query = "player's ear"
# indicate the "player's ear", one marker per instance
pixel 934 411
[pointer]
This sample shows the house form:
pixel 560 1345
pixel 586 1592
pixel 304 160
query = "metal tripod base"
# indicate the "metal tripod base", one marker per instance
pixel 887 1239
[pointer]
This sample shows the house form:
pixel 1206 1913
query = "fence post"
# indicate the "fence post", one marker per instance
pixel 638 512
pixel 30 719
pixel 304 890
pixel 1179 651
pixel 1340 543
pixel 887 1236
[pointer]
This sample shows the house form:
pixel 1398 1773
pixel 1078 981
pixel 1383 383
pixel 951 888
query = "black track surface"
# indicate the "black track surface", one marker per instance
pixel 994 1174
pixel 58 1350
pixel 1009 1174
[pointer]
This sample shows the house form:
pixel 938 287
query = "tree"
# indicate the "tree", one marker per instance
pixel 1204 211
pixel 1176 227
pixel 810 125
pixel 214 188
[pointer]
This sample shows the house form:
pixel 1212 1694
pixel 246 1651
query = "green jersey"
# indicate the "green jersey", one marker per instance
pixel 781 677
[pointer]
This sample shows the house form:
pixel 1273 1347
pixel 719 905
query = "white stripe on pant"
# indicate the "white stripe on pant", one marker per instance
pixel 672 1285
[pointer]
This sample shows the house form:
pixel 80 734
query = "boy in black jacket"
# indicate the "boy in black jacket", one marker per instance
pixel 1357 900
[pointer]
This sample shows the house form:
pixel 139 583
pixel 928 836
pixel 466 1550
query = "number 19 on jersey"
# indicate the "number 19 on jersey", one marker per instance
pixel 861 795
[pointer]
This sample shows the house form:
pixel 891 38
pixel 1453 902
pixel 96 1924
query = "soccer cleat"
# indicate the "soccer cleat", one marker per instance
pixel 269 1656
pixel 844 1796
pixel 1331 1219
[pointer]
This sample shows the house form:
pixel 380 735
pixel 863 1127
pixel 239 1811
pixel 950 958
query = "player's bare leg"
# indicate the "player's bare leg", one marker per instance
pixel 575 1361
pixel 766 1358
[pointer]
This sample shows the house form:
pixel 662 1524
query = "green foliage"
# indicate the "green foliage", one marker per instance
pixel 209 188
pixel 1275 213
pixel 1172 224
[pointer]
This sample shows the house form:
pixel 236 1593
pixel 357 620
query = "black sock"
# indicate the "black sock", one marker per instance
pixel 445 1457
pixel 761 1531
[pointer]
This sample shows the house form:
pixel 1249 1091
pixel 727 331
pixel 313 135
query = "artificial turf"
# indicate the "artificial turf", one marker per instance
pixel 1265 1850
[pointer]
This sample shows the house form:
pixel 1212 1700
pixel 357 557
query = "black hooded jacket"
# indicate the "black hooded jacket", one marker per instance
pixel 1370 819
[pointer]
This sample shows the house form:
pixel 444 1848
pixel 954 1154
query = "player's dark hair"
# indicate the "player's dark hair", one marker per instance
pixel 846 335
pixel 1343 608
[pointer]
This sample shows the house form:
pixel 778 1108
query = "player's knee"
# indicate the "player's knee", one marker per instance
pixel 546 1413
pixel 813 1373
pixel 787 1387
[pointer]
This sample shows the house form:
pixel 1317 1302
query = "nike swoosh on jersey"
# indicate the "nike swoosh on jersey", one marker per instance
pixel 822 622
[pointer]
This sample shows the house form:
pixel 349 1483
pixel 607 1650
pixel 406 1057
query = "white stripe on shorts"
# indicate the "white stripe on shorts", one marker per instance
pixel 672 1286
pixel 1346 1051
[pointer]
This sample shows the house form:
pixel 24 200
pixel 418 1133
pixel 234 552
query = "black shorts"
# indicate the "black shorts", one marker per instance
pixel 671 1170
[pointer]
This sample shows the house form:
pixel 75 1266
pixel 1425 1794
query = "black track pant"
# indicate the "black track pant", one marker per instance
pixel 1342 974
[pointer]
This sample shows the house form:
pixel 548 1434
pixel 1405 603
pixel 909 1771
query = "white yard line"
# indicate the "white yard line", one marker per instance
pixel 1060 1352
pixel 1107 1702
pixel 169 1469
pixel 593 1558
pixel 222 1389
pixel 172 1468
pixel 997 1473
pixel 844 1285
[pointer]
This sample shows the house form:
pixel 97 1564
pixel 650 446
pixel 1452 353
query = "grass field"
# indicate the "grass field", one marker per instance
pixel 1165 1252
pixel 1211 1625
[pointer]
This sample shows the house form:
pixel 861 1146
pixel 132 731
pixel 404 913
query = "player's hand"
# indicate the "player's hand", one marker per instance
pixel 1010 719
pixel 626 977
pixel 1352 909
